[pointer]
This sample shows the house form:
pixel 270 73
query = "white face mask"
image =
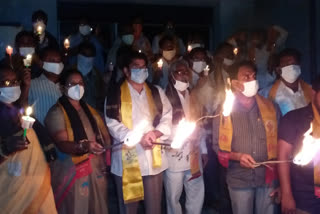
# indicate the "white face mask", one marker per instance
pixel 139 75
pixel 228 62
pixel 199 66
pixel 10 94
pixel 84 29
pixel 24 51
pixel 52 67
pixel 76 92
pixel 169 55
pixel 84 64
pixel 127 39
pixel 250 88
pixel 290 73
pixel 180 86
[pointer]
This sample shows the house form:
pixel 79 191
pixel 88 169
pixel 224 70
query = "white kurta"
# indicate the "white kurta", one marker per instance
pixel 179 160
pixel 140 111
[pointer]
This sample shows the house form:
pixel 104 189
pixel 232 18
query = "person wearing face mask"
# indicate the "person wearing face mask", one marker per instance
pixel 45 90
pixel 25 43
pixel 290 91
pixel 45 39
pixel 141 166
pixel 85 34
pixel 80 138
pixel 182 172
pixel 160 75
pixel 25 175
pixel 246 137
pixel 199 61
pixel 94 94
pixel 169 30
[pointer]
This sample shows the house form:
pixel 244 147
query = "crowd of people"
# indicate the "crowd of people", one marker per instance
pixel 112 119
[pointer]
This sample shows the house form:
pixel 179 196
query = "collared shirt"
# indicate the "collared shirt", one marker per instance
pixel 286 98
pixel 43 94
pixel 179 160
pixel 249 137
pixel 292 128
pixel 140 111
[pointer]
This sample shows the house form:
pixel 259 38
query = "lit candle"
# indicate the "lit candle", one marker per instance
pixel 160 63
pixel 9 50
pixel 310 148
pixel 66 43
pixel 139 51
pixel 183 131
pixel 206 70
pixel 27 121
pixel 27 61
pixel 235 51
pixel 39 30
pixel 189 48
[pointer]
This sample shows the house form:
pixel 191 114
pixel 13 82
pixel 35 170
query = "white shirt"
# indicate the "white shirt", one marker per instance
pixel 286 98
pixel 179 160
pixel 43 94
pixel 141 111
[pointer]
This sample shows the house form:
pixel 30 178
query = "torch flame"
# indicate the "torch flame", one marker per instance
pixel 29 111
pixel 310 147
pixel 228 103
pixel 184 130
pixel 134 137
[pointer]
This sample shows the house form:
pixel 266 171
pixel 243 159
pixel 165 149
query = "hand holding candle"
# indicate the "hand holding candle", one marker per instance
pixel 27 61
pixel 27 121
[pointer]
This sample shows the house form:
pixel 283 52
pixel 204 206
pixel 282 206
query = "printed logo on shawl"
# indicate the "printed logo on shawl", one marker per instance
pixel 223 138
pixel 271 127
pixel 130 156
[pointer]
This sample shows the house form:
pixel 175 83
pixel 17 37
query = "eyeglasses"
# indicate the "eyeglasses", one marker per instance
pixel 9 83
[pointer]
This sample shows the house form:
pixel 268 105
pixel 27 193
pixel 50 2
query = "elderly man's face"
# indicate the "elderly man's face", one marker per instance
pixel 182 73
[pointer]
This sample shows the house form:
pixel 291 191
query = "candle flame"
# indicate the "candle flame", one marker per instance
pixel 228 103
pixel 310 147
pixel 189 48
pixel 66 43
pixel 39 29
pixel 184 130
pixel 140 51
pixel 29 57
pixel 134 137
pixel 160 63
pixel 235 51
pixel 28 111
pixel 9 50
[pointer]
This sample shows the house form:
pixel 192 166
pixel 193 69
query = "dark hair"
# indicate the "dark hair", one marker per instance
pixel 24 33
pixel 66 74
pixel 40 15
pixel 47 50
pixel 221 47
pixel 196 50
pixel 137 20
pixel 87 46
pixel 134 55
pixel 234 69
pixel 289 52
pixel 164 39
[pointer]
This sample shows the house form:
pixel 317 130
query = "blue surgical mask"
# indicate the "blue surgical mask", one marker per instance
pixel 139 75
pixel 84 64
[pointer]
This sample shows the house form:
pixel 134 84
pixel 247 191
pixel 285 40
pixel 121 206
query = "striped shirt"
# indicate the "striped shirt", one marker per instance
pixel 43 94
pixel 249 137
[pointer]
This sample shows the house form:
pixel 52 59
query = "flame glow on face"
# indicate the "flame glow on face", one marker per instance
pixel 184 130
pixel 135 136
pixel 310 147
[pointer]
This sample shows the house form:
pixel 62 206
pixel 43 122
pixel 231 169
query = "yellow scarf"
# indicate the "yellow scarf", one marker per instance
pixel 132 184
pixel 269 118
pixel 316 134
pixel 305 87
pixel 100 123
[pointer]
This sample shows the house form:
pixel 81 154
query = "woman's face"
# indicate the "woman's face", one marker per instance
pixel 74 79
